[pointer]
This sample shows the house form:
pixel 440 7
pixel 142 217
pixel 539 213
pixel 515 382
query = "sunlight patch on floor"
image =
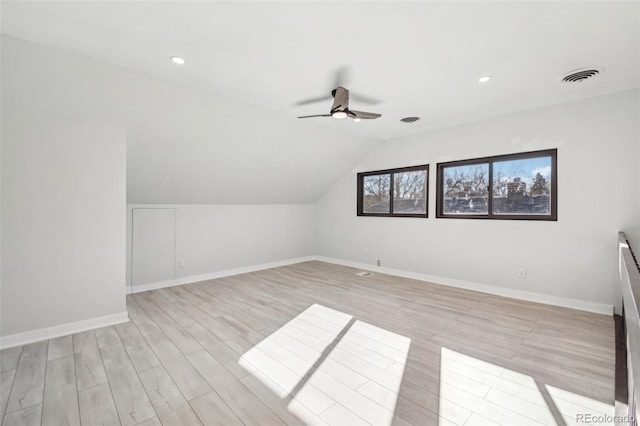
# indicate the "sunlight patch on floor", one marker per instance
pixel 575 405
pixel 496 394
pixel 331 368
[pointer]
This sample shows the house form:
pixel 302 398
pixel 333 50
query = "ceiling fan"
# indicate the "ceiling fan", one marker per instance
pixel 341 78
pixel 340 108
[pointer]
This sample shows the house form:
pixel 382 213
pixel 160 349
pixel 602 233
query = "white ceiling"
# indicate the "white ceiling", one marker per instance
pixel 418 58
pixel 184 145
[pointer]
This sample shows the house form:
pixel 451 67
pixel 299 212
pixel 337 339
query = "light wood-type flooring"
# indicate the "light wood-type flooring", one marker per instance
pixel 313 343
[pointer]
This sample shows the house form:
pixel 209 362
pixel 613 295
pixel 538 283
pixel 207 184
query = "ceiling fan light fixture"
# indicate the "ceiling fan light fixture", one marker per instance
pixel 484 79
pixel 339 115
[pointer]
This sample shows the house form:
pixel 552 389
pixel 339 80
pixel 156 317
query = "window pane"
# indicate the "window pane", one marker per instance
pixel 465 189
pixel 410 192
pixel 376 193
pixel 522 186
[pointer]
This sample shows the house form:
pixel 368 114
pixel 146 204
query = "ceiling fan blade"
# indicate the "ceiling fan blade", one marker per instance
pixel 320 115
pixel 314 100
pixel 364 99
pixel 340 99
pixel 341 76
pixel 364 115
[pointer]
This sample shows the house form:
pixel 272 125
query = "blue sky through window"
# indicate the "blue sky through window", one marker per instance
pixel 525 169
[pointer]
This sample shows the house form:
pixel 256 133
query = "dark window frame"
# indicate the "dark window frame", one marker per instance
pixel 553 216
pixel 391 172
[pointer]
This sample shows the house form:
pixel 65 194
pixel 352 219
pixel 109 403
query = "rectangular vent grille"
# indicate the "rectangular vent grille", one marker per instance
pixel 364 274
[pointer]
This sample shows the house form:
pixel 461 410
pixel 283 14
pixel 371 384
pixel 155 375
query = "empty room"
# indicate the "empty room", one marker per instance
pixel 319 213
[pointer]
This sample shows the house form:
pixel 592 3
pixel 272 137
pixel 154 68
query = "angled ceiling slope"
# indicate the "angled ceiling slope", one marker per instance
pixel 185 145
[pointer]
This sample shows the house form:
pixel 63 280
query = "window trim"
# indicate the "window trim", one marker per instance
pixel 391 172
pixel 553 216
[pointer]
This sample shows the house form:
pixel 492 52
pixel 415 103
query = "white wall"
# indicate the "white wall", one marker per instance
pixel 214 238
pixel 636 235
pixel 63 224
pixel 573 258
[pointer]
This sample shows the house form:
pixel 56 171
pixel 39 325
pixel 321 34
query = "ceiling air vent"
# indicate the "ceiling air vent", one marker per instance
pixel 410 119
pixel 578 76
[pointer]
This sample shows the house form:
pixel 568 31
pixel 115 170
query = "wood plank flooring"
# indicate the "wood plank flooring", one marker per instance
pixel 313 343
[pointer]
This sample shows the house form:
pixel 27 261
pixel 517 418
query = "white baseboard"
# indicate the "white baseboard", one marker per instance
pixel 151 286
pixel 27 337
pixel 218 274
pixel 19 339
pixel 599 308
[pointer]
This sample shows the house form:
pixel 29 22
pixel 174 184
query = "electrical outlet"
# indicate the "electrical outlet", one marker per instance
pixel 522 273
pixel 378 262
pixel 181 263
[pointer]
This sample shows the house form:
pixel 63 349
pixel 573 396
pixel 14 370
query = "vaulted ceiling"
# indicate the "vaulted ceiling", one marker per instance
pixel 184 145
pixel 203 131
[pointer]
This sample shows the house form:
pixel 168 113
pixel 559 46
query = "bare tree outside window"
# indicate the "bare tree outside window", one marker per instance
pixel 522 187
pixel 513 186
pixel 401 192
pixel 466 189
pixel 410 192
pixel 376 193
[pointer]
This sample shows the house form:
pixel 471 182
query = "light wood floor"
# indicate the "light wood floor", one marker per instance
pixel 313 343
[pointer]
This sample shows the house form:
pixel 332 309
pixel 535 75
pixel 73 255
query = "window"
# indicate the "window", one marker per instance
pixel 516 186
pixel 394 192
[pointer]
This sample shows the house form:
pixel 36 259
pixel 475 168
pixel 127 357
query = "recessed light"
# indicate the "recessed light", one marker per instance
pixel 357 120
pixel 484 78
pixel 177 60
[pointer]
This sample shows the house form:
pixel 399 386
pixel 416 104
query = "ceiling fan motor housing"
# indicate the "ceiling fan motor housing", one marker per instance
pixel 340 108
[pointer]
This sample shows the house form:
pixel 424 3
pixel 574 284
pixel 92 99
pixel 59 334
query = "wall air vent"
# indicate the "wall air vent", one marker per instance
pixel 578 76
pixel 364 274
